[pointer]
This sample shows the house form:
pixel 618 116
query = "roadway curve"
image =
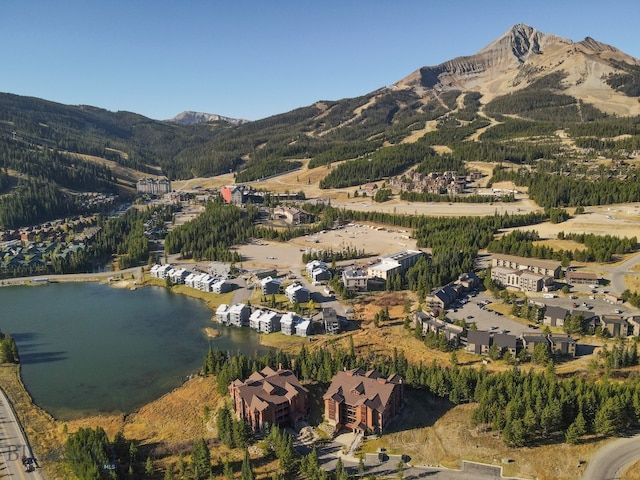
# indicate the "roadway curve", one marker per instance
pixel 618 272
pixel 13 445
pixel 610 461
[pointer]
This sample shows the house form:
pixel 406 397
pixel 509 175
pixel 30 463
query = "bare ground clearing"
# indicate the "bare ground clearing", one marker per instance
pixel 288 256
pixel 451 439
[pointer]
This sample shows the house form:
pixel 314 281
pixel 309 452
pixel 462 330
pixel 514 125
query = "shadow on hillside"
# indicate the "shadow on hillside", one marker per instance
pixel 421 409
pixel 582 350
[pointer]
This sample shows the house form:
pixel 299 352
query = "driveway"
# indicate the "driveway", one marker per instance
pixel 386 466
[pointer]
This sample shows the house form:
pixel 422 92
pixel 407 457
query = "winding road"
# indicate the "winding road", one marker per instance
pixel 13 445
pixel 610 461
pixel 618 272
pixel 613 459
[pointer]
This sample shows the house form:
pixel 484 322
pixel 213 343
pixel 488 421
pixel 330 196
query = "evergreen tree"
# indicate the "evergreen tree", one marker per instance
pixel 168 474
pixel 247 472
pixel 148 467
pixel 200 460
pixel 227 471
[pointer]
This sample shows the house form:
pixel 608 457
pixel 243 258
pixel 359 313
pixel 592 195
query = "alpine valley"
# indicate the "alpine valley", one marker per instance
pixel 527 96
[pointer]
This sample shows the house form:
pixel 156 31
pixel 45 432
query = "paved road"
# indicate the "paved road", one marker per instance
pixel 618 273
pixel 610 461
pixel 76 277
pixel 13 445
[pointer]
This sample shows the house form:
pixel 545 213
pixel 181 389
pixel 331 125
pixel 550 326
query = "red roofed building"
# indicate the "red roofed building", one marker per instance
pixel 233 194
pixel 363 401
pixel 270 397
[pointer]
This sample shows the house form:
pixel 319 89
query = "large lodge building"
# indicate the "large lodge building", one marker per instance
pixel 363 401
pixel 270 397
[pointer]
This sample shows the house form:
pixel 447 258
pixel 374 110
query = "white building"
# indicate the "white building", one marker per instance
pixel 222 314
pixel 288 323
pixel 297 293
pixel 204 282
pixel 254 319
pixel 270 322
pixel 191 279
pixel 161 271
pixel 239 315
pixel 396 263
pixel 178 275
pixel 354 279
pixel 304 328
pixel 320 275
pixel 313 264
pixel 270 285
pixel 154 186
pixel 221 287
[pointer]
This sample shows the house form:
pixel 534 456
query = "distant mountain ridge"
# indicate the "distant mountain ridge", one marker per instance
pixel 192 118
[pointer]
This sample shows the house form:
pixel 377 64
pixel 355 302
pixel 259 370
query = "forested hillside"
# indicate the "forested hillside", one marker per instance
pixel 533 108
pixel 127 138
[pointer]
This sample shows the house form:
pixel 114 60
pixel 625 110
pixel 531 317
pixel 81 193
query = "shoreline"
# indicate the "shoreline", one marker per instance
pixel 44 431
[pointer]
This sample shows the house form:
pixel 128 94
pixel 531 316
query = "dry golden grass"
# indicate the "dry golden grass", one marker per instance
pixel 175 417
pixel 632 281
pixel 451 439
pixel 632 472
pixel 286 343
pixel 43 432
pixel 167 427
pixel 560 244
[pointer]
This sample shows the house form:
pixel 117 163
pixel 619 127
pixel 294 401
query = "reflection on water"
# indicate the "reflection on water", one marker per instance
pixel 88 348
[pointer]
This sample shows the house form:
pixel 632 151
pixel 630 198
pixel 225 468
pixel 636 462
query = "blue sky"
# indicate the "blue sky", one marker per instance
pixel 252 59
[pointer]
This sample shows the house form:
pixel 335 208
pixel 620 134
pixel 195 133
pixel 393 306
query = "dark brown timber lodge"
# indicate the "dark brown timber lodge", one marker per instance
pixel 363 401
pixel 270 397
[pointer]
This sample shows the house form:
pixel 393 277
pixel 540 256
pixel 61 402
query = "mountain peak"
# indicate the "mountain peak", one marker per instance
pixel 189 117
pixel 523 55
pixel 520 41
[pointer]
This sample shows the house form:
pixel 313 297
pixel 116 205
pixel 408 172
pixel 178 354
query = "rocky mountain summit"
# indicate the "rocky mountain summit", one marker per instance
pixel 192 118
pixel 523 55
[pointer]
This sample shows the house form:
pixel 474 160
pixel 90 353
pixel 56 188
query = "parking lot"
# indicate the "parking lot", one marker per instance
pixel 485 318
pixel 584 298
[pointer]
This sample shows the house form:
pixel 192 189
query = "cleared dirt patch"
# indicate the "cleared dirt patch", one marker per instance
pixel 451 439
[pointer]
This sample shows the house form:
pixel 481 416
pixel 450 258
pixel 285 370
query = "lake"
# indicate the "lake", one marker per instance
pixel 88 348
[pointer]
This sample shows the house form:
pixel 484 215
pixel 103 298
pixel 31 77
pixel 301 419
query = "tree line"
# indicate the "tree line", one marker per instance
pixel 385 162
pixel 36 200
pixel 524 406
pixel 473 198
pixel 8 349
pixel 210 235
pixel 599 248
pixel 65 169
pixel 331 256
pixel 124 236
pixel 554 190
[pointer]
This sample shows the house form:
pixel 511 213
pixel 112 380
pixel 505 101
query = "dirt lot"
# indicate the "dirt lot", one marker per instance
pixel 288 256
pixel 621 220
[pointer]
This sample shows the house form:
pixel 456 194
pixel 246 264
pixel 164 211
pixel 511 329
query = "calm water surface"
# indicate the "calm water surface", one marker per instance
pixel 87 348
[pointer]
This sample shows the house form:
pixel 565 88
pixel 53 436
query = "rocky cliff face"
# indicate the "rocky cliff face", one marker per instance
pixel 523 55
